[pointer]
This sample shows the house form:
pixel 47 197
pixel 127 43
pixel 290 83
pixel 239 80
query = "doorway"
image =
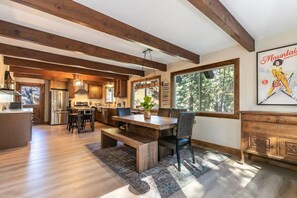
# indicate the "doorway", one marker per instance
pixel 32 96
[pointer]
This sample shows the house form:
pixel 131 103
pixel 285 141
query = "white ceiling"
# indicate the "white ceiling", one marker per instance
pixel 263 18
pixel 175 21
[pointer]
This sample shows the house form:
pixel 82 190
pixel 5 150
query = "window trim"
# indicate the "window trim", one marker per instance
pixel 145 79
pixel 235 62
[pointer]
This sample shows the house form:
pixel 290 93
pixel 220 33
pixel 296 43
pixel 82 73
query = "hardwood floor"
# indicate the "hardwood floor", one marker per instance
pixel 57 164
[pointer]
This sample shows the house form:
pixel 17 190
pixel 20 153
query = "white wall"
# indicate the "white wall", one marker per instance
pixel 227 132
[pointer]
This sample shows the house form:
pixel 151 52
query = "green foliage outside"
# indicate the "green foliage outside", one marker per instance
pixel 195 92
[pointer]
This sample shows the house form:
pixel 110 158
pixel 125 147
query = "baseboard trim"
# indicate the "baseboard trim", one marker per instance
pixel 216 147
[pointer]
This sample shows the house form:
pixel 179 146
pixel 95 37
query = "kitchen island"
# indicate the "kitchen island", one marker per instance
pixel 16 128
pixel 104 115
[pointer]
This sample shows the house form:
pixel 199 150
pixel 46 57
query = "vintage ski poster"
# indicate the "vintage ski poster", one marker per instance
pixel 277 76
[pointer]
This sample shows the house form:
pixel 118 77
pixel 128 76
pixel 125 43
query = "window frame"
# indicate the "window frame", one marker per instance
pixel 235 62
pixel 145 79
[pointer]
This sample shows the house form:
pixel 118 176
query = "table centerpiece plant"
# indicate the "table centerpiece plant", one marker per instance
pixel 147 105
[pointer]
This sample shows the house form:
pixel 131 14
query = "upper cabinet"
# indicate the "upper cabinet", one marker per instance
pixel 120 88
pixel 58 85
pixel 95 91
pixel 71 90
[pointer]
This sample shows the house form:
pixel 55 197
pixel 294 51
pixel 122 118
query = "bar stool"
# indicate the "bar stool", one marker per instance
pixel 72 120
pixel 68 120
pixel 86 117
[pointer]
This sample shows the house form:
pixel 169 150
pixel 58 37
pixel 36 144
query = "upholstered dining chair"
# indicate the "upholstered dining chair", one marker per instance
pixel 183 136
pixel 175 112
pixel 164 112
pixel 122 112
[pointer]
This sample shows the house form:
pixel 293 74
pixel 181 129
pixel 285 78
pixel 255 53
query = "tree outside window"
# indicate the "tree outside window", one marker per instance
pixel 210 90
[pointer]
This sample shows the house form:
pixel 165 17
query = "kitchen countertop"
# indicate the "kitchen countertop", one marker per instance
pixel 83 108
pixel 24 110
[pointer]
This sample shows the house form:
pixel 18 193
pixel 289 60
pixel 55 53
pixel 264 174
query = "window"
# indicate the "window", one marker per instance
pixel 109 95
pixel 145 87
pixel 210 90
pixel 30 95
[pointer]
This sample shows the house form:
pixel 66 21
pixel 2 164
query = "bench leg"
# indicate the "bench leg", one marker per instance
pixel 146 156
pixel 107 141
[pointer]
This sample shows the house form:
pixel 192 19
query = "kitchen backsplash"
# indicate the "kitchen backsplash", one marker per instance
pixel 84 98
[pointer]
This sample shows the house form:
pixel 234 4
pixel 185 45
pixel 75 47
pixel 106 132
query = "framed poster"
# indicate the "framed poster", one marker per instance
pixel 277 76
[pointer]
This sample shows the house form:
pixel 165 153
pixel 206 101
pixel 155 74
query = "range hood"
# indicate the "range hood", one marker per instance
pixel 81 91
pixel 10 92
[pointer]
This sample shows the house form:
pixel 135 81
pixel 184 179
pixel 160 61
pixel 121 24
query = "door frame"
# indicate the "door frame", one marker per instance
pixel 42 96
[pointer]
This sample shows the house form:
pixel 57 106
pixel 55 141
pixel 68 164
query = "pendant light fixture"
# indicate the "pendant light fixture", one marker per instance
pixel 76 81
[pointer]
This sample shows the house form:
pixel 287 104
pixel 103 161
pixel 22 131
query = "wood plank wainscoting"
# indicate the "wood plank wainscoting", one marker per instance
pixel 272 135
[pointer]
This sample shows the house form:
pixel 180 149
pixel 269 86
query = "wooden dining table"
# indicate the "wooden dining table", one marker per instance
pixel 155 127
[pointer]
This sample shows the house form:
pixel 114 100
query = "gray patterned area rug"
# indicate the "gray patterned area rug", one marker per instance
pixel 162 180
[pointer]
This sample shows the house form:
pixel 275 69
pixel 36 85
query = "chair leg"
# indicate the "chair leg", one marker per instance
pixel 192 152
pixel 178 157
pixel 172 152
pixel 69 123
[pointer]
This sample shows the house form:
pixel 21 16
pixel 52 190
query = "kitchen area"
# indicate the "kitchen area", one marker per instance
pixel 104 98
pixel 26 101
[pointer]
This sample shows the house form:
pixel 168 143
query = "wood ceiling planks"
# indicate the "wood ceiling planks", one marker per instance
pixel 77 13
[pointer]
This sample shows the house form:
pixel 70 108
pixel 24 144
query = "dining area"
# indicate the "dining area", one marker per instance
pixel 163 134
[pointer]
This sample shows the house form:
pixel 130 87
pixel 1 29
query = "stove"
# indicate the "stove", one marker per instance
pixel 81 104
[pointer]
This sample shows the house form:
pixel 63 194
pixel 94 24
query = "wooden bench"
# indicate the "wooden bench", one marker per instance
pixel 146 148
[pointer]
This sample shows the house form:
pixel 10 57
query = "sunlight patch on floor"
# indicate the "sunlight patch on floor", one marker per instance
pixel 122 192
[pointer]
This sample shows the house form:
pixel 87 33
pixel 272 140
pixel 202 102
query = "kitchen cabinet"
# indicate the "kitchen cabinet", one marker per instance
pixel 71 90
pixel 15 135
pixel 120 88
pixel 105 116
pixel 111 112
pixel 99 117
pixel 95 91
pixel 58 85
pixel 270 134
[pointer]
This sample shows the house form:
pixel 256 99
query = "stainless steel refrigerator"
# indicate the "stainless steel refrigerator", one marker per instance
pixel 59 103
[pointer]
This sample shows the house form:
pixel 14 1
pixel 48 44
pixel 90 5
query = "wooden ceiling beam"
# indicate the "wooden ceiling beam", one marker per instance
pixel 217 12
pixel 77 13
pixel 23 33
pixel 10 50
pixel 56 74
pixel 42 77
pixel 51 67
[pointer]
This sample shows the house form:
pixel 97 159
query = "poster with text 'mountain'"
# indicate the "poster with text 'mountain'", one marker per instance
pixel 277 76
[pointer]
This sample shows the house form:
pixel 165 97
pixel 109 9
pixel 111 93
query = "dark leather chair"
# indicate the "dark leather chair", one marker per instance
pixel 122 112
pixel 164 112
pixel 175 112
pixel 183 136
